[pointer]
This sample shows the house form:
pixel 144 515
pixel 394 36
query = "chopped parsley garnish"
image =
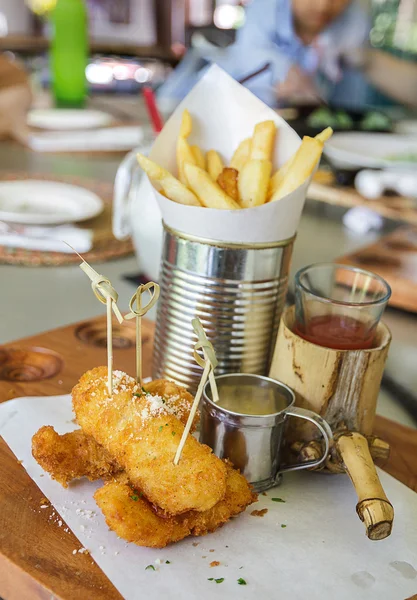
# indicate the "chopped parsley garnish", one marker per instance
pixel 219 580
pixel 160 428
pixel 135 497
pixel 172 432
pixel 137 395
pixel 282 525
pixel 277 500
pixel 151 567
pixel 167 562
pixel 210 579
pixel 241 581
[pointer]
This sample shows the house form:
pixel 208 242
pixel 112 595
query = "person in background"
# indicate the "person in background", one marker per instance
pixel 306 44
pixel 15 100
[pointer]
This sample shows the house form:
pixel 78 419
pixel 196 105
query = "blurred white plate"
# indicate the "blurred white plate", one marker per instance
pixel 68 119
pixel 406 127
pixel 33 202
pixel 371 150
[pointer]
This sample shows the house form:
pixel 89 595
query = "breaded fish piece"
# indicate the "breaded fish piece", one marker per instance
pixel 176 395
pixel 71 456
pixel 132 517
pixel 75 455
pixel 142 433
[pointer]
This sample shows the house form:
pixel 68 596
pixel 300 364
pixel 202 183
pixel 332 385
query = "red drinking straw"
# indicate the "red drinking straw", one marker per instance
pixel 153 112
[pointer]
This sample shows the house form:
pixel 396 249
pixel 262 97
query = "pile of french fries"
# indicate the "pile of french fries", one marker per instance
pixel 204 180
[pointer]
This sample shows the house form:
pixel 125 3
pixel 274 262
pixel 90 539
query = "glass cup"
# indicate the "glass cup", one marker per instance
pixel 337 306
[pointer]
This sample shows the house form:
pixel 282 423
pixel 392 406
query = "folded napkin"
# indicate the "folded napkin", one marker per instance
pixel 46 239
pixel 107 139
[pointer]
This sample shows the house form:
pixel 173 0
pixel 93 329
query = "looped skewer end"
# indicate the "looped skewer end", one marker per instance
pixel 208 363
pixel 140 311
pixel 102 288
pixel 205 345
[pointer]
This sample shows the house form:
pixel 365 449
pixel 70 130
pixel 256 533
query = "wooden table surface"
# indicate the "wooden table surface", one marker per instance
pixel 36 560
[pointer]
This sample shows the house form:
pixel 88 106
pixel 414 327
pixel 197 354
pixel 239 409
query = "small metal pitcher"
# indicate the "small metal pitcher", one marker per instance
pixel 247 426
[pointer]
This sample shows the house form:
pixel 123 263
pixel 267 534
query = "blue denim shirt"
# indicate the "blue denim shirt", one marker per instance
pixel 268 36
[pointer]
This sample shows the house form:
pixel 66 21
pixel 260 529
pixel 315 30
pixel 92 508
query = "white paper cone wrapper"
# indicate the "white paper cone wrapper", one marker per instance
pixel 225 113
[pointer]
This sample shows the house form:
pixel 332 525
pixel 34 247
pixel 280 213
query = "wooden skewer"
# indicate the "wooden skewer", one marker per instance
pixel 139 339
pixel 109 346
pixel 106 294
pixel 209 364
pixel 193 410
pixel 137 312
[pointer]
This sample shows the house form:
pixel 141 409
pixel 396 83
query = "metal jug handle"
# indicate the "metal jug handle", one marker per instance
pixel 121 196
pixel 322 426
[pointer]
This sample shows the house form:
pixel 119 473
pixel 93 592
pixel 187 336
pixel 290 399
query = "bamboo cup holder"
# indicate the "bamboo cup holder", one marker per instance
pixel 31 364
pixel 342 386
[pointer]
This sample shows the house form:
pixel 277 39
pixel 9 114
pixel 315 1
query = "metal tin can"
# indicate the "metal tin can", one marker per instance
pixel 236 290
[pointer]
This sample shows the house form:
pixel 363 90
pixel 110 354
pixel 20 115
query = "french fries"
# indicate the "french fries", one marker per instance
pixel 184 155
pixel 300 168
pixel 279 176
pixel 254 182
pixel 203 180
pixel 263 141
pixel 208 191
pixel 325 135
pixel 214 164
pixel 228 181
pixel 186 125
pixel 255 174
pixel 173 188
pixel 200 159
pixel 241 155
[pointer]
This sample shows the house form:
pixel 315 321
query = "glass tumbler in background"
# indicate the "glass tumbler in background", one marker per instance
pixel 337 306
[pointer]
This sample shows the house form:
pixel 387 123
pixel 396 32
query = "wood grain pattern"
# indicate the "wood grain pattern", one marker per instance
pixel 393 257
pixel 397 208
pixel 36 557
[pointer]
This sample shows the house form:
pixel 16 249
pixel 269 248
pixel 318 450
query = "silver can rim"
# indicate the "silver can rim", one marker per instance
pixel 233 245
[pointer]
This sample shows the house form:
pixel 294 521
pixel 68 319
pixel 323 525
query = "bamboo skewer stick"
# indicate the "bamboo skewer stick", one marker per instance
pixel 137 312
pixel 106 294
pixel 373 507
pixel 209 363
pixel 193 410
pixel 109 346
pixel 139 339
pixel 201 334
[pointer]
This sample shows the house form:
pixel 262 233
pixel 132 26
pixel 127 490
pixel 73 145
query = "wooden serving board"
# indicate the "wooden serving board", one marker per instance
pixel 36 560
pixel 393 257
pixel 324 189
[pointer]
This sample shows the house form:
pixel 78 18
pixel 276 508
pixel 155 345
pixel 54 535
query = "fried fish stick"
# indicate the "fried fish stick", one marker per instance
pixel 142 435
pixel 71 456
pixel 75 455
pixel 132 518
pixel 177 397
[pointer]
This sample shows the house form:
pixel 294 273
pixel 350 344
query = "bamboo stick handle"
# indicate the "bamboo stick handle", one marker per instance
pixel 373 507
